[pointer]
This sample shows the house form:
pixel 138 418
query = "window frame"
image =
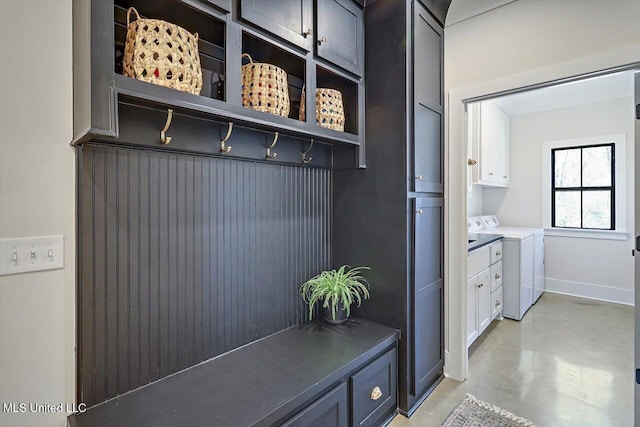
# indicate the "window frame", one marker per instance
pixel 581 189
pixel 624 173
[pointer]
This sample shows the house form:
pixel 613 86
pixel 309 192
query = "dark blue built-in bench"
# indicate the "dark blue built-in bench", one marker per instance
pixel 337 375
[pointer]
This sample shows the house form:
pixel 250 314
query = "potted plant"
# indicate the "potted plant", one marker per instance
pixel 338 289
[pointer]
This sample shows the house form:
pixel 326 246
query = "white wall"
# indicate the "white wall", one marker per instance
pixel 37 197
pixel 592 268
pixel 475 206
pixel 519 44
pixel 525 35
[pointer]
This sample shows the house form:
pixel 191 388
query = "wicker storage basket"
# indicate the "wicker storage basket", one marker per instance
pixel 265 87
pixel 329 108
pixel 162 53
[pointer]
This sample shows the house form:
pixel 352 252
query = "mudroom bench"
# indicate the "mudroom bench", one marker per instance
pixel 343 375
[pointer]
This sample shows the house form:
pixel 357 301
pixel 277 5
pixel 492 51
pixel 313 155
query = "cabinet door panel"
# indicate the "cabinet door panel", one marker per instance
pixel 428 151
pixel 287 19
pixel 472 313
pixel 341 34
pixel 329 411
pixel 428 288
pixel 484 301
pixel 428 54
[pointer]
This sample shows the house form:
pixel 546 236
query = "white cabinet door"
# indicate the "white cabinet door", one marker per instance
pixel 484 300
pixel 488 142
pixel 489 137
pixel 472 313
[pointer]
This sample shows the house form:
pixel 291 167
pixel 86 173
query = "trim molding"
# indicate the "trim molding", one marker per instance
pixel 590 291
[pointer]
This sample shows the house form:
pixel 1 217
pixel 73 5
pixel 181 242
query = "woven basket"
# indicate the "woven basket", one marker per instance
pixel 265 87
pixel 162 53
pixel 329 108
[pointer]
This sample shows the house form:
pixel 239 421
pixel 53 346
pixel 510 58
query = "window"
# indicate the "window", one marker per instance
pixel 583 187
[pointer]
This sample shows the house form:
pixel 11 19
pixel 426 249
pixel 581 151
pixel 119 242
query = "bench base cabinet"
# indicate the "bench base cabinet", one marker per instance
pixel 372 392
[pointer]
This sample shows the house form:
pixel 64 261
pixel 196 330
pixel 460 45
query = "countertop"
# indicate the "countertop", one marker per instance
pixel 479 240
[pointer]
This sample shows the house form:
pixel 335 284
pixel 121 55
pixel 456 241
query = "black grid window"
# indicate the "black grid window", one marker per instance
pixel 583 187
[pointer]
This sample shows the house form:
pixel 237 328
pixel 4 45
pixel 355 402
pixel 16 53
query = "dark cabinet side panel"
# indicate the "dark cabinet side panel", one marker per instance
pixel 290 19
pixel 340 34
pixel 182 257
pixel 428 288
pixel 329 411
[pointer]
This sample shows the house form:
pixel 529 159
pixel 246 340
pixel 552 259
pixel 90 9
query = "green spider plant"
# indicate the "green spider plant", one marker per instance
pixel 334 287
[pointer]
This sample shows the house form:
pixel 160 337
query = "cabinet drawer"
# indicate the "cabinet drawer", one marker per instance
pixel 496 252
pixel 496 275
pixel 478 260
pixel 373 391
pixel 496 303
pixel 328 411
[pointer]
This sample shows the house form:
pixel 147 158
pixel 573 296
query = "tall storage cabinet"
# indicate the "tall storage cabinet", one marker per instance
pixel 390 216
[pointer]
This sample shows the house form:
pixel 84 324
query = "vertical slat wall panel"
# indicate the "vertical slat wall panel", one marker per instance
pixel 186 257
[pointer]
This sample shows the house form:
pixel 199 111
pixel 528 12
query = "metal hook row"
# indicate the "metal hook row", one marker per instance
pixel 224 148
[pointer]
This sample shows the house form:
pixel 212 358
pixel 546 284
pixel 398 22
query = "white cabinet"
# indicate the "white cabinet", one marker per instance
pixel 488 132
pixel 484 289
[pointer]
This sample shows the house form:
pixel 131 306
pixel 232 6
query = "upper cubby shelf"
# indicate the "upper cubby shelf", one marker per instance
pixel 224 35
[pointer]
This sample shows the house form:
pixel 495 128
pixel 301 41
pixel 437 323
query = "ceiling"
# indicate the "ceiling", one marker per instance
pixel 461 10
pixel 588 91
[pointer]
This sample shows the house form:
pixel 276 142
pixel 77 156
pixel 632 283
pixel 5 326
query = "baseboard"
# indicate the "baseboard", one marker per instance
pixel 590 291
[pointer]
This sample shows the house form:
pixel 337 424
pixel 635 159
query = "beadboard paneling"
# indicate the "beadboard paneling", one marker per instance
pixel 185 257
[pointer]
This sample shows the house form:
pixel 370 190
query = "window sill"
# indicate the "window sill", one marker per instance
pixel 587 234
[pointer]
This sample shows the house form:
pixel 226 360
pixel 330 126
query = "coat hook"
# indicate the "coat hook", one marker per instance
pixel 226 148
pixel 271 155
pixel 163 133
pixel 305 159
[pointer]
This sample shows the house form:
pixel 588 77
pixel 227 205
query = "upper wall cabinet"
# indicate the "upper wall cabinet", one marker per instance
pixel 489 142
pixel 340 34
pixel 277 32
pixel 291 20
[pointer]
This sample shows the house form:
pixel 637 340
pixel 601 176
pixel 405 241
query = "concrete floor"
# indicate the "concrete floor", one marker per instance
pixel 569 362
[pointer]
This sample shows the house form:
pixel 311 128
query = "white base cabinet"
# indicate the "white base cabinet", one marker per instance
pixel 484 289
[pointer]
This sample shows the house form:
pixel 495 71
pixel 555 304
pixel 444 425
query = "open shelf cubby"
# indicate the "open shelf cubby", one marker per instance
pixel 262 51
pixel 211 37
pixel 349 90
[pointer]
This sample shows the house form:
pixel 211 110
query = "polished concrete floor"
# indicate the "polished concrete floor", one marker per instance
pixel 569 362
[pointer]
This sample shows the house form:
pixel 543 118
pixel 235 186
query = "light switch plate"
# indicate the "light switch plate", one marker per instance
pixel 26 254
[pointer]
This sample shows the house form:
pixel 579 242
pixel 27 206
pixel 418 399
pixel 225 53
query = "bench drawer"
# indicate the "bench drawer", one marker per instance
pixel 374 391
pixel 328 411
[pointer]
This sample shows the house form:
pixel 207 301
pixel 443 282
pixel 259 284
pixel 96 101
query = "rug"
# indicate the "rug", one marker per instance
pixel 472 412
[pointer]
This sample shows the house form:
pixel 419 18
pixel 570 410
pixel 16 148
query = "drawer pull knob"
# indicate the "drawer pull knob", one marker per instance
pixel 321 40
pixel 497 303
pixel 419 211
pixel 497 276
pixel 497 253
pixel 418 177
pixel 376 393
pixel 307 33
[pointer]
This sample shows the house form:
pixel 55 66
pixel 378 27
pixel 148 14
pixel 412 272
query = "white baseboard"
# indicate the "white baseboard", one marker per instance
pixel 590 291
